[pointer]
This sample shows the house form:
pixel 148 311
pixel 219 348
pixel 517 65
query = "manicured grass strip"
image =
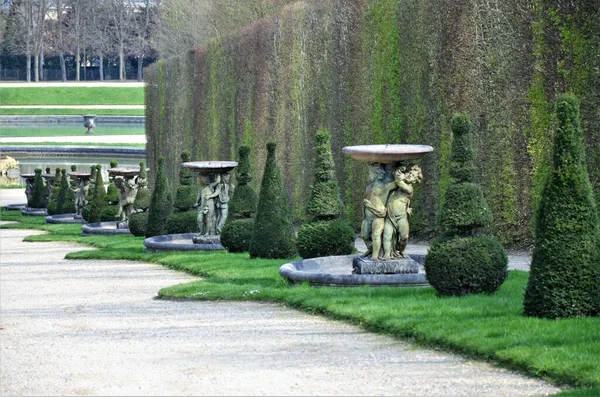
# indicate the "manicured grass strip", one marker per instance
pixel 488 327
pixel 72 95
pixel 68 131
pixel 12 186
pixel 62 144
pixel 76 112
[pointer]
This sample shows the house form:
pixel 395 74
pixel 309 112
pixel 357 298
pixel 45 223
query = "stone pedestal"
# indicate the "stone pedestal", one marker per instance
pixel 206 239
pixel 364 265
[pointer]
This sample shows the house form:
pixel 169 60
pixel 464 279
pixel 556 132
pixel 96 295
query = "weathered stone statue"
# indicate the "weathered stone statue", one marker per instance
pixel 225 193
pixel 29 181
pixel 80 191
pixel 128 187
pixel 207 217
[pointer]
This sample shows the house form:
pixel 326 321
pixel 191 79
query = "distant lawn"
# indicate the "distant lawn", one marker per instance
pixel 72 95
pixel 54 130
pixel 485 327
pixel 62 144
pixel 75 112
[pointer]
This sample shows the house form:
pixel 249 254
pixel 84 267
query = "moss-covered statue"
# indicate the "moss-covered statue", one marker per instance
pixel 464 260
pixel 327 233
pixel 239 223
pixel 139 218
pixel 273 235
pixel 183 219
pixel 564 279
pixel 161 203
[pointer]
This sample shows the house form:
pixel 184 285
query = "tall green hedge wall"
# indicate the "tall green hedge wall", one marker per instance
pixel 388 71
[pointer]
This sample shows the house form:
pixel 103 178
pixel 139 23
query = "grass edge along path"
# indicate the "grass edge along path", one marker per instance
pixel 564 352
pixel 67 111
pixel 57 95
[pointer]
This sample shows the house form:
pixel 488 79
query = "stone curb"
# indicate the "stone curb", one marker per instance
pixel 72 151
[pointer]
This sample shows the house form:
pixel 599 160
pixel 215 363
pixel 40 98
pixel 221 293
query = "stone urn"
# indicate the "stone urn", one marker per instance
pixel 213 197
pixel 89 123
pixel 386 206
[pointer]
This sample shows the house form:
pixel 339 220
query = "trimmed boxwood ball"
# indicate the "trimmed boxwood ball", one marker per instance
pixel 182 222
pixel 465 265
pixel 109 213
pixel 462 262
pixel 325 238
pixel 161 204
pixel 565 266
pixel 137 223
pixel 273 235
pixel 237 234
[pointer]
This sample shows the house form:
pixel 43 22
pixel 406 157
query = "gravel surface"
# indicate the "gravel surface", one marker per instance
pixel 93 328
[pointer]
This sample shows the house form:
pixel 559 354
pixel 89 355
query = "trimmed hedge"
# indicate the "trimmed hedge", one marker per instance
pixel 182 222
pixel 138 223
pixel 273 235
pixel 325 238
pixel 565 266
pixel 37 200
pixel 462 262
pixel 237 234
pixel 161 203
pixel 98 199
pixel 244 201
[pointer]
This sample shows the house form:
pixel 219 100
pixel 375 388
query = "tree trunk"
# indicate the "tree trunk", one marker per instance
pixel 63 67
pixel 121 62
pixel 139 68
pixel 77 64
pixel 101 66
pixel 42 65
pixel 28 67
pixel 36 66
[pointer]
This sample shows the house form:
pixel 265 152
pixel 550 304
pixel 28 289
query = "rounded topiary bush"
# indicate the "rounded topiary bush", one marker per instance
pixel 142 199
pixel 325 238
pixel 464 265
pixel 466 208
pixel 237 234
pixel 137 223
pixel 109 213
pixel 244 201
pixel 182 222
pixel 185 197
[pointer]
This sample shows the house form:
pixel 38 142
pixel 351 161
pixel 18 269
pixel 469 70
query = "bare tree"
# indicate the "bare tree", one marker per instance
pixel 139 46
pixel 120 13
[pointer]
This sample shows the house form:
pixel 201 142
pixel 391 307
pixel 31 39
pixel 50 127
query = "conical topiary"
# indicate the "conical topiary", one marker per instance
pixel 462 261
pixel 138 221
pixel 85 213
pixel 99 197
pixel 564 277
pixel 326 234
pixel 239 226
pixel 273 235
pixel 183 219
pixel 64 202
pixel 38 191
pixel 161 204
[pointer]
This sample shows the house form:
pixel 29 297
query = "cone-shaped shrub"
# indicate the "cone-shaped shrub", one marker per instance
pixel 85 213
pixel 273 235
pixel 98 199
pixel 462 261
pixel 138 221
pixel 161 204
pixel 37 200
pixel 187 191
pixel 64 202
pixel 239 226
pixel 565 267
pixel 112 191
pixel 326 235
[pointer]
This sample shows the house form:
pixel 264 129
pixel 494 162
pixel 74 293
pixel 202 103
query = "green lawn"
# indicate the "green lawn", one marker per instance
pixel 72 96
pixel 46 143
pixel 54 111
pixel 54 130
pixel 492 328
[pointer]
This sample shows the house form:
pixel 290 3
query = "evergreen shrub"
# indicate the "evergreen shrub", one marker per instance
pixel 139 219
pixel 273 235
pixel 138 222
pixel 182 222
pixel 326 234
pixel 463 261
pixel 565 267
pixel 37 200
pixel 237 234
pixel 161 203
pixel 98 199
pixel 65 203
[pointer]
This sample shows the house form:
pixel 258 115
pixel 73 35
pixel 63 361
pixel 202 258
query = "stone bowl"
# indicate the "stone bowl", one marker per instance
pixel 125 171
pixel 179 242
pixel 27 176
pixel 64 218
pixel 210 167
pixel 80 174
pixel 336 271
pixel 386 153
pixel 103 228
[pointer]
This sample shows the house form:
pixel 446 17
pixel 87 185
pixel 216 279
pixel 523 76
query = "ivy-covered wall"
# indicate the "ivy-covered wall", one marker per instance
pixel 388 71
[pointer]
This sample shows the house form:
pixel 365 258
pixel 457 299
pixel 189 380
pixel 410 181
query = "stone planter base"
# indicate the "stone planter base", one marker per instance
pixel 364 265
pixel 336 271
pixel 182 242
pixel 64 218
pixel 34 211
pixel 15 207
pixel 103 228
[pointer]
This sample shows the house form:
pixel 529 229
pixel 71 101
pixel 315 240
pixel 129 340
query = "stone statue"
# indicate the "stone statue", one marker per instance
pixel 396 228
pixel 207 217
pixel 225 193
pixel 374 209
pixel 29 189
pixel 128 188
pixel 80 190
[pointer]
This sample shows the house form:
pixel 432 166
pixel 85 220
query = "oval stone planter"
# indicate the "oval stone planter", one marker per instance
pixel 34 211
pixel 102 228
pixel 179 242
pixel 64 218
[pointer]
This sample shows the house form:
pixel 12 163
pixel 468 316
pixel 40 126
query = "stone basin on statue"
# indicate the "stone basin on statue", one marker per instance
pixel 180 242
pixel 103 229
pixel 386 154
pixel 336 271
pixel 125 171
pixel 210 167
pixel 80 174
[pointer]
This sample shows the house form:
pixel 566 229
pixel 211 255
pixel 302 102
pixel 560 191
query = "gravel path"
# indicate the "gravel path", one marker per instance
pixel 92 328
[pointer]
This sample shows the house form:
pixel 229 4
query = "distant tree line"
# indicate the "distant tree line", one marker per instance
pixel 70 36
